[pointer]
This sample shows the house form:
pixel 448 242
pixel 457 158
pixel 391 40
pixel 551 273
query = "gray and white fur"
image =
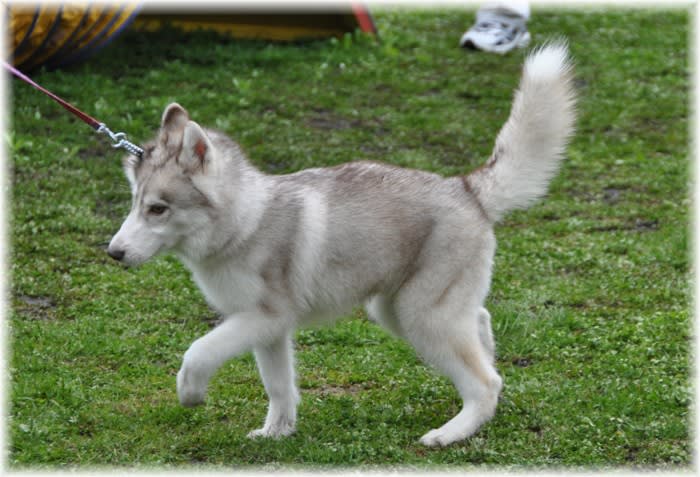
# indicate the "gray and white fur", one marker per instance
pixel 275 252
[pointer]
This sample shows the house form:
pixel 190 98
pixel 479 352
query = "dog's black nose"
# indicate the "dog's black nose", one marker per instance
pixel 116 254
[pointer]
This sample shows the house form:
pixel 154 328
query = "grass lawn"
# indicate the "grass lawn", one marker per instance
pixel 591 291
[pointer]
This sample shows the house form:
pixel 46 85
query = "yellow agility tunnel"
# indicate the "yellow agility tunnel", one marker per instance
pixel 55 35
pixel 58 34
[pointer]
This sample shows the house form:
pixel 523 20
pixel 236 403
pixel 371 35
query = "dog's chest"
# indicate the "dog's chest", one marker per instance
pixel 228 289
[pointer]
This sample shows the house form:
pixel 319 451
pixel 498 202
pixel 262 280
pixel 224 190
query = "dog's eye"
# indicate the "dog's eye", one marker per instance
pixel 157 209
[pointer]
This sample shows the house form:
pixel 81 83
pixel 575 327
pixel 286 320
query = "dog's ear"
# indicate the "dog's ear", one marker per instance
pixel 130 163
pixel 197 149
pixel 173 122
pixel 174 117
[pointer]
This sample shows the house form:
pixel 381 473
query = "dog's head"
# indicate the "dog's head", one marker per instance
pixel 170 203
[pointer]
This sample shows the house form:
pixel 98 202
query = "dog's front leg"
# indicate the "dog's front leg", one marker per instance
pixel 276 365
pixel 236 335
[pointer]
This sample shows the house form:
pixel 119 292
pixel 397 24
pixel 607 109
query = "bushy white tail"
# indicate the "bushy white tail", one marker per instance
pixel 532 141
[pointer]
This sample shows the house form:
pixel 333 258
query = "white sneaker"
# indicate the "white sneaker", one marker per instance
pixel 496 33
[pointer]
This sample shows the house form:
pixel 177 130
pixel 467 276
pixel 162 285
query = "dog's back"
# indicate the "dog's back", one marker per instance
pixel 361 229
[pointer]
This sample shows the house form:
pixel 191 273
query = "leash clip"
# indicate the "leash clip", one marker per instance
pixel 120 141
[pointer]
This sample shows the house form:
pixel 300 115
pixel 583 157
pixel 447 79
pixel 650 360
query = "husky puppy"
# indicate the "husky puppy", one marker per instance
pixel 274 252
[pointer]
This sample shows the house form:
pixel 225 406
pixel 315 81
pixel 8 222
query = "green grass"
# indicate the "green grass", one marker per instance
pixel 590 297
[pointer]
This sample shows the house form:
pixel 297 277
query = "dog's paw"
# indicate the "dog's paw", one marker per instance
pixel 439 438
pixel 274 432
pixel 190 392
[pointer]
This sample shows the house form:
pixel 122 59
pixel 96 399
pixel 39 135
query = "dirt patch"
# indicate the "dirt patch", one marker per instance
pixel 521 362
pixel 646 225
pixel 469 95
pixel 611 195
pixel 632 452
pixel 327 120
pixel 39 308
pixel 639 225
pixel 338 390
pixel 536 429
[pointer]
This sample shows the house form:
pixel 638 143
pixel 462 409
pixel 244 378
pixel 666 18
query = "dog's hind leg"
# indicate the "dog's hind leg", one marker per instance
pixel 456 349
pixel 276 366
pixel 449 333
pixel 236 335
pixel 477 382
